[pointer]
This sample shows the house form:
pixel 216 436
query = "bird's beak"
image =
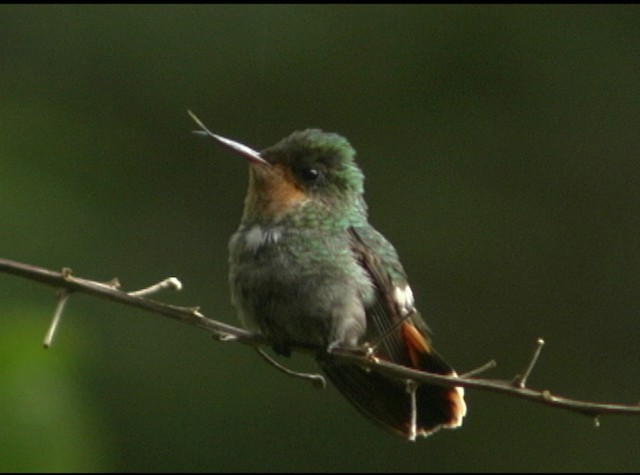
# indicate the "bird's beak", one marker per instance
pixel 242 150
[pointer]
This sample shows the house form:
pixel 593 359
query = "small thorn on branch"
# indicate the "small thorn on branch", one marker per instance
pixel 481 369
pixel 520 381
pixel 63 295
pixel 226 337
pixel 169 283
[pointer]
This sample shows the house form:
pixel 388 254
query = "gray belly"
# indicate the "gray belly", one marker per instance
pixel 298 293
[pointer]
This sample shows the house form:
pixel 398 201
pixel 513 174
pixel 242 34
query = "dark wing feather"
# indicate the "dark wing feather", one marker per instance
pixel 401 339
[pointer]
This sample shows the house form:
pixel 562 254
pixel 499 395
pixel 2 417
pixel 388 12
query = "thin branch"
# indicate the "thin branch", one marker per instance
pixel 63 296
pixel 592 409
pixel 317 379
pixel 192 316
pixel 412 388
pixel 188 315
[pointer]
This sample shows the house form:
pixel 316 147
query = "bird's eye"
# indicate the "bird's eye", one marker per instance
pixel 310 174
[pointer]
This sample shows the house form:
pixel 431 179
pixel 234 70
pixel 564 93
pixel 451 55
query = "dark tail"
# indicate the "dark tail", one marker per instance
pixel 389 403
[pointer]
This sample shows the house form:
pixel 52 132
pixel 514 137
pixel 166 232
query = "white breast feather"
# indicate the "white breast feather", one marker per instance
pixel 257 236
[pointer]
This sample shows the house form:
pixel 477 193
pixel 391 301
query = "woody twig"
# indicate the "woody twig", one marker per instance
pixel 67 284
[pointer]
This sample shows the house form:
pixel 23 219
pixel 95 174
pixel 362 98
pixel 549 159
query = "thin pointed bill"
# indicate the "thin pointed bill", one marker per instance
pixel 242 150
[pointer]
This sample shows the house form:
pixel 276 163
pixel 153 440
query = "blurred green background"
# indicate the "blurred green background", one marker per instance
pixel 501 150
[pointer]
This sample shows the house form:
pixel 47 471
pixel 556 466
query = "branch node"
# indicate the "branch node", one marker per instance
pixel 366 352
pixel 371 358
pixel 520 381
pixel 316 379
pixel 113 283
pixel 66 273
pixel 63 295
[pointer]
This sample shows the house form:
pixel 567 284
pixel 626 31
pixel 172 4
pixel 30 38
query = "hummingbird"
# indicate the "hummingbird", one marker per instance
pixel 306 269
